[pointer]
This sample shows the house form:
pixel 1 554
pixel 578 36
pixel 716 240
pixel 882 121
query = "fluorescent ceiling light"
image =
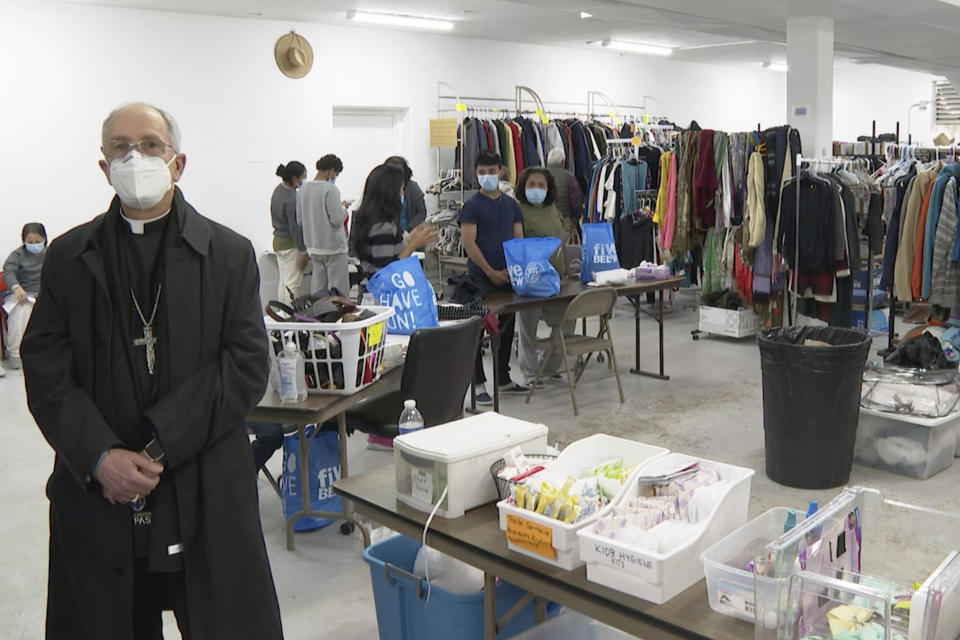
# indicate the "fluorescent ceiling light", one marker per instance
pixel 399 20
pixel 584 15
pixel 776 66
pixel 636 47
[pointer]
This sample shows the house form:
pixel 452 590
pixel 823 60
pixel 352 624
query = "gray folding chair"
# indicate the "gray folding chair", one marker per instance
pixel 591 303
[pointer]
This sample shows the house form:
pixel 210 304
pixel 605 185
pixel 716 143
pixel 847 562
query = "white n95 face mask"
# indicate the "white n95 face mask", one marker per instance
pixel 140 181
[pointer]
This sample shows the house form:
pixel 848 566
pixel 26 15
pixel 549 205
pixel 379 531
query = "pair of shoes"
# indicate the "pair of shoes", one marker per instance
pixel 533 383
pixel 557 377
pixel 379 443
pixel 13 363
pixel 512 388
pixel 484 399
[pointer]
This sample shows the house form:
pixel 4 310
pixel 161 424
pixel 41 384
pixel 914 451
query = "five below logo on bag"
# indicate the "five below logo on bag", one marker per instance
pixel 404 300
pixel 532 274
pixel 604 253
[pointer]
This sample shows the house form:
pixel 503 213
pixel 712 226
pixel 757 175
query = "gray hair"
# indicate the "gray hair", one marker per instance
pixel 556 157
pixel 172 126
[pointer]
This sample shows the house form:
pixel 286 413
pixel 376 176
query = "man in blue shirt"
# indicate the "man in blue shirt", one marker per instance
pixel 487 220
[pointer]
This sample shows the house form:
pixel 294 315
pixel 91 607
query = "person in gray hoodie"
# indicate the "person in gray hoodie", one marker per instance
pixel 322 216
pixel 21 274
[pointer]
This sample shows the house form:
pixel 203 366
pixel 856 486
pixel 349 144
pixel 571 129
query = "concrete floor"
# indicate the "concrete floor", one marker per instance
pixel 711 407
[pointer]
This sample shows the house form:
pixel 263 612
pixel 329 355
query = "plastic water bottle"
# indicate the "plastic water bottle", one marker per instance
pixel 293 381
pixel 410 419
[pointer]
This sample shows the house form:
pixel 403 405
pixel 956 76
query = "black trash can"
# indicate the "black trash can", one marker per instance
pixel 811 403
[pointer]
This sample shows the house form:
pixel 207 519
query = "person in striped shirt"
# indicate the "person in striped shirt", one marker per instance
pixel 376 236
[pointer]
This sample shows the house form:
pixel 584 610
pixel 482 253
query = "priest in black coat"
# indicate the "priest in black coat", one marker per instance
pixel 145 351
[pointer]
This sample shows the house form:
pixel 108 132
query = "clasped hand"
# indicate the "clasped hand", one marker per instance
pixel 125 475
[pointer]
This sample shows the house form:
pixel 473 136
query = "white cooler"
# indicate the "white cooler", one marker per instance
pixel 457 456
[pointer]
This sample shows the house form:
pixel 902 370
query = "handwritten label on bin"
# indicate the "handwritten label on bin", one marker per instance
pixel 422 485
pixel 621 558
pixel 531 536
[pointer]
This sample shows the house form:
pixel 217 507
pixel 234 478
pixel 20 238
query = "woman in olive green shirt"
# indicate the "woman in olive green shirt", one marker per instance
pixel 536 192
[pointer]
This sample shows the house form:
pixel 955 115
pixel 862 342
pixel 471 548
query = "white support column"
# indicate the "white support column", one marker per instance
pixel 810 82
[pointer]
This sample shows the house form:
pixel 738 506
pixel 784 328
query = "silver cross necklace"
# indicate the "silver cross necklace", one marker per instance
pixel 148 341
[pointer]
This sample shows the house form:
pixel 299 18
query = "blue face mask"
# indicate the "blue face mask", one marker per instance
pixel 34 248
pixel 535 195
pixel 489 182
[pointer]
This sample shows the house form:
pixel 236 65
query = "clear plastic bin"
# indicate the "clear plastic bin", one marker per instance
pixel 866 549
pixel 727 566
pixel 905 444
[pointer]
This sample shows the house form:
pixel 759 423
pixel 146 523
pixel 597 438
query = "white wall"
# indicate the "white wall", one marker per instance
pixel 866 92
pixel 66 66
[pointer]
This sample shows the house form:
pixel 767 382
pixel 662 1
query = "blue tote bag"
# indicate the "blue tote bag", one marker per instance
pixel 528 263
pixel 402 285
pixel 323 469
pixel 599 250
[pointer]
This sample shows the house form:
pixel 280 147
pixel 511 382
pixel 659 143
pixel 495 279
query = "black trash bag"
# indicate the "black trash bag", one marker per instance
pixel 725 299
pixel 920 352
pixel 811 403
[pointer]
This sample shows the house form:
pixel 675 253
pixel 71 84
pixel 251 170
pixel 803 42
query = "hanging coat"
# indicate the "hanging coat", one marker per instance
pixel 218 367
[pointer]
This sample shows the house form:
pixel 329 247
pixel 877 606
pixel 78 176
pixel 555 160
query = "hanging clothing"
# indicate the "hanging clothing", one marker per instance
pixel 664 170
pixel 705 183
pixel 944 274
pixel 937 198
pixel 756 217
pixel 634 177
pixel 908 241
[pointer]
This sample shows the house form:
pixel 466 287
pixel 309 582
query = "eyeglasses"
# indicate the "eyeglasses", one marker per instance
pixel 148 147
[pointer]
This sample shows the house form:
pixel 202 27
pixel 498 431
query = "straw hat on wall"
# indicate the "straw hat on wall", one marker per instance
pixel 294 55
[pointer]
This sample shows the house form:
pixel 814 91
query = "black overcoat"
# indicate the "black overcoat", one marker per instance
pixel 218 366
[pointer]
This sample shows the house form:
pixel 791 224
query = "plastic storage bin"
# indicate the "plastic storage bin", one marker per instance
pixel 404 614
pixel 340 357
pixel 732 323
pixel 658 577
pixel 573 460
pixel 457 456
pixel 730 585
pixel 571 625
pixel 865 547
pixel 908 445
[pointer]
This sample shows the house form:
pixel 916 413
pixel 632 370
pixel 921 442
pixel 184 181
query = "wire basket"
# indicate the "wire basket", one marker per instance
pixel 503 484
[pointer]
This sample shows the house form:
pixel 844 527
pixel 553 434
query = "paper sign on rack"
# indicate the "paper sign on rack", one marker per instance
pixel 531 536
pixel 443 132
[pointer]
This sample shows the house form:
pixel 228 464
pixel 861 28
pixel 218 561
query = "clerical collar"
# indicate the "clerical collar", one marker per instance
pixel 137 227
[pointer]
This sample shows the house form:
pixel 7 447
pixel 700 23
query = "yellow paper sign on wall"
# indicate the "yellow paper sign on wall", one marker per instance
pixel 443 132
pixel 531 536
